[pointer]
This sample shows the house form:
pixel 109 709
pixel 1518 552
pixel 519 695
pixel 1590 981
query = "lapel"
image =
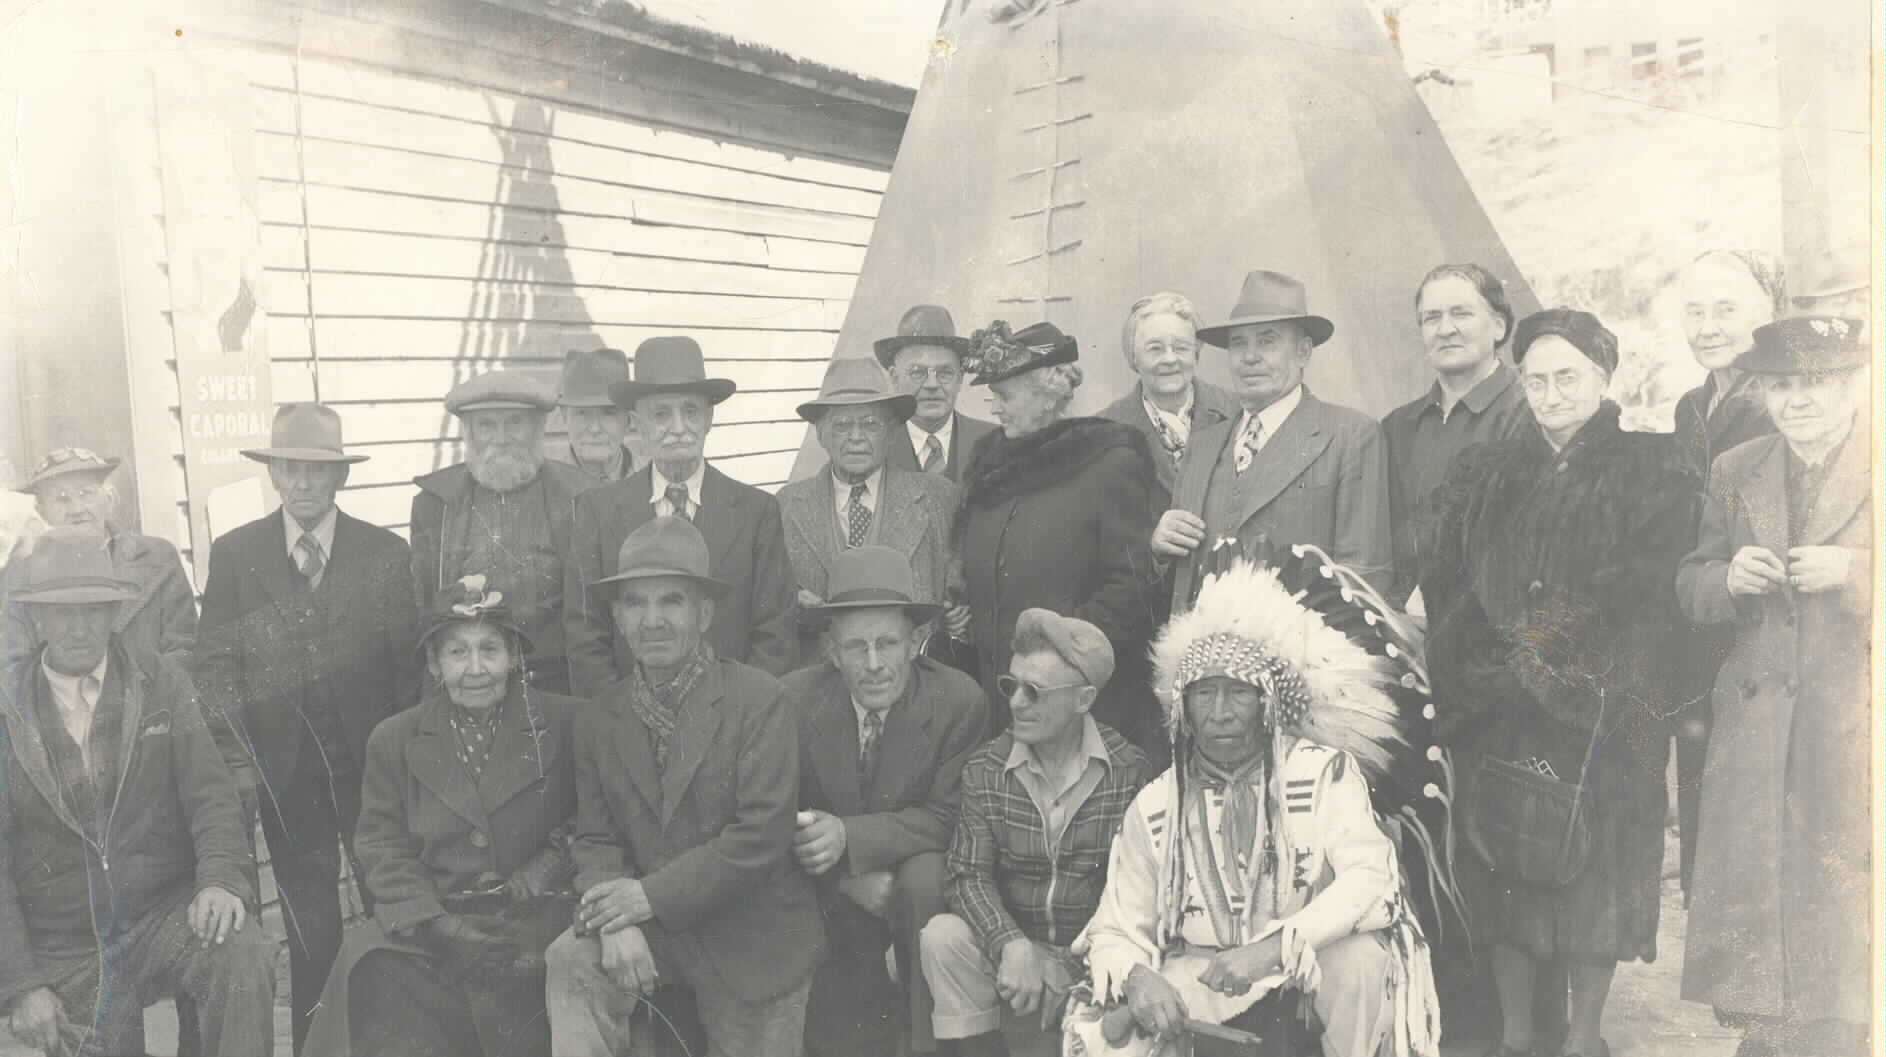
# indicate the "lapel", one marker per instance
pixel 521 754
pixel 280 579
pixel 29 747
pixel 718 521
pixel 904 746
pixel 131 724
pixel 961 444
pixel 902 455
pixel 1844 491
pixel 810 511
pixel 134 560
pixel 1207 446
pixel 900 524
pixel 1298 442
pixel 835 753
pixel 1763 495
pixel 699 723
pixel 432 757
pixel 634 748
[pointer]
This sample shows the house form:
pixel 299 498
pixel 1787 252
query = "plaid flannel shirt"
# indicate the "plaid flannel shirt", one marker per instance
pixel 1000 877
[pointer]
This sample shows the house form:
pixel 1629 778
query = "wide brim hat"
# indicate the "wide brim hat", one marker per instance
pixel 508 389
pixel 63 462
pixel 71 565
pixel 671 364
pixel 1807 345
pixel 872 577
pixel 922 325
pixel 663 547
pixel 1270 297
pixel 1000 355
pixel 470 600
pixel 588 374
pixel 304 432
pixel 852 381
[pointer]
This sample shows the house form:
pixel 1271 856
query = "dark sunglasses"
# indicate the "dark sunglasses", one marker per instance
pixel 1031 692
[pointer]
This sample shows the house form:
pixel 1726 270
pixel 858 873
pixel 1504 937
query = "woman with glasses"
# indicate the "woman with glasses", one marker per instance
pixel 1551 617
pixel 1160 341
pixel 1056 513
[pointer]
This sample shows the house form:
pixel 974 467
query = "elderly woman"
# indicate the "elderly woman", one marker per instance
pixel 1160 340
pixel 463 837
pixel 1055 514
pixel 1551 614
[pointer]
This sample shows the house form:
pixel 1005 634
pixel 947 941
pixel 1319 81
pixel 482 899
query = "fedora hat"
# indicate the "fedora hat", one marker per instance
pixel 1000 355
pixel 1806 345
pixel 670 364
pixel 921 325
pixel 664 546
pixel 852 381
pixel 1270 297
pixel 62 461
pixel 508 389
pixel 304 432
pixel 71 565
pixel 470 600
pixel 588 374
pixel 872 578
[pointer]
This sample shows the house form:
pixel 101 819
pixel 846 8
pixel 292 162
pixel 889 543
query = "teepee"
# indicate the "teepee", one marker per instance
pixel 1066 157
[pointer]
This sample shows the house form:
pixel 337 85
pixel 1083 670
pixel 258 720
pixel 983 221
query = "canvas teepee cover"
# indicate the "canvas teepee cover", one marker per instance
pixel 1066 157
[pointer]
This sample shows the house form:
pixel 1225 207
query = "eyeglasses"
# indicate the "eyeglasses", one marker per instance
pixel 1031 692
pixel 864 427
pixel 943 375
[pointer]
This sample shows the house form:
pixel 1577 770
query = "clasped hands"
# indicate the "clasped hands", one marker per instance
pixel 1756 571
pixel 1157 1006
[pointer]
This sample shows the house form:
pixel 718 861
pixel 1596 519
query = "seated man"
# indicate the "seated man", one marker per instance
pixel 108 758
pixel 1218 895
pixel 883 734
pixel 687 773
pixel 1040 806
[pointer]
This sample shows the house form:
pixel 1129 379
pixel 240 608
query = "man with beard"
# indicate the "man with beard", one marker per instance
pixel 505 511
pixel 673 401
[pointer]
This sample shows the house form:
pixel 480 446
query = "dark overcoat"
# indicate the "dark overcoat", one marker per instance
pixel 710 835
pixel 427 830
pixel 963 440
pixel 1780 898
pixel 746 550
pixel 270 650
pixel 1210 406
pixel 1062 519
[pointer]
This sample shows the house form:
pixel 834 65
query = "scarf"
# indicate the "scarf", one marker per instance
pixel 659 706
pixel 475 731
pixel 1174 428
pixel 1241 825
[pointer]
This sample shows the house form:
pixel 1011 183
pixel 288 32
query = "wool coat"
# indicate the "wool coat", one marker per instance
pixel 709 835
pixel 746 550
pixel 1210 406
pixel 270 651
pixel 427 830
pixel 161 619
pixel 1780 898
pixel 912 518
pixel 963 438
pixel 1062 519
pixel 1549 607
pixel 1322 479
pixel 174 825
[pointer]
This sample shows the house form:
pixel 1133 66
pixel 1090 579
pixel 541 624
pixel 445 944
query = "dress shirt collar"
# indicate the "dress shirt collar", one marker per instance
pixel 76 695
pixel 918 435
pixel 1480 397
pixel 1093 746
pixel 1272 418
pixel 323 532
pixel 660 483
pixel 841 490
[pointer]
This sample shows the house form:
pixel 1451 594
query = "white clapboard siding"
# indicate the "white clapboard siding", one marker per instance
pixel 419 230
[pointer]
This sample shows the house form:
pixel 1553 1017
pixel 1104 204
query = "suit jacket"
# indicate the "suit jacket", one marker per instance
pixel 1210 406
pixel 747 548
pixel 1323 479
pixel 1783 857
pixel 962 441
pixel 908 805
pixel 912 518
pixel 709 836
pixel 270 649
pixel 161 619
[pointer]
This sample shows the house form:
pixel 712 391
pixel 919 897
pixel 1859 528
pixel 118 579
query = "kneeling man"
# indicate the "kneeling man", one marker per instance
pixel 1256 864
pixel 124 872
pixel 687 778
pixel 883 736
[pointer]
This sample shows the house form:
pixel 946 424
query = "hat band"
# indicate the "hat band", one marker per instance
pixel 871 594
pixel 847 394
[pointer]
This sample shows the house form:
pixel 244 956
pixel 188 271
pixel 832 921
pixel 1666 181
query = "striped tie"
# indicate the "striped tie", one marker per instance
pixel 309 559
pixel 932 454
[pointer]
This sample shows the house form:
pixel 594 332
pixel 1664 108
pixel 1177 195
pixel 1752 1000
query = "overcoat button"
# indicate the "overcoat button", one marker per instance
pixel 479 840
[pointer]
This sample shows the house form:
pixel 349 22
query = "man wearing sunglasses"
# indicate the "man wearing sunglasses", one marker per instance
pixel 1040 805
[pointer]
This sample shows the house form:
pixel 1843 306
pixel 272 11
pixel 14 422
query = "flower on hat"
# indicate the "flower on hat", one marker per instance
pixel 995 350
pixel 479 601
pixel 1839 327
pixel 1819 325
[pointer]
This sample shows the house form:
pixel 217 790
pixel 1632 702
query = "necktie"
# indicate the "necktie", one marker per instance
pixel 932 454
pixel 1249 440
pixel 857 517
pixel 677 496
pixel 868 746
pixel 308 558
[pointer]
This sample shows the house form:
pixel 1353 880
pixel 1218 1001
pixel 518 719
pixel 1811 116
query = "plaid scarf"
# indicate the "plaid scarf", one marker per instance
pixel 660 706
pixel 475 730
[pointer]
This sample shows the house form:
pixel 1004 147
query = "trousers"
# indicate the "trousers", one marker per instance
pixel 856 1009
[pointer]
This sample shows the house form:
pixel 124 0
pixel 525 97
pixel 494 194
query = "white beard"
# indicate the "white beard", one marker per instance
pixel 503 469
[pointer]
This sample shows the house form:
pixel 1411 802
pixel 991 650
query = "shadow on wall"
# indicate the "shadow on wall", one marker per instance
pixel 524 302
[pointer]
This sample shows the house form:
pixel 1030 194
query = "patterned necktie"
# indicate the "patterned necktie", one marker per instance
pixel 308 558
pixel 932 454
pixel 857 517
pixel 677 496
pixel 868 746
pixel 1249 440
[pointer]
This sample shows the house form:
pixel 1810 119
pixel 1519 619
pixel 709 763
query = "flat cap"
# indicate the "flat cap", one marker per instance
pixel 502 390
pixel 1083 646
